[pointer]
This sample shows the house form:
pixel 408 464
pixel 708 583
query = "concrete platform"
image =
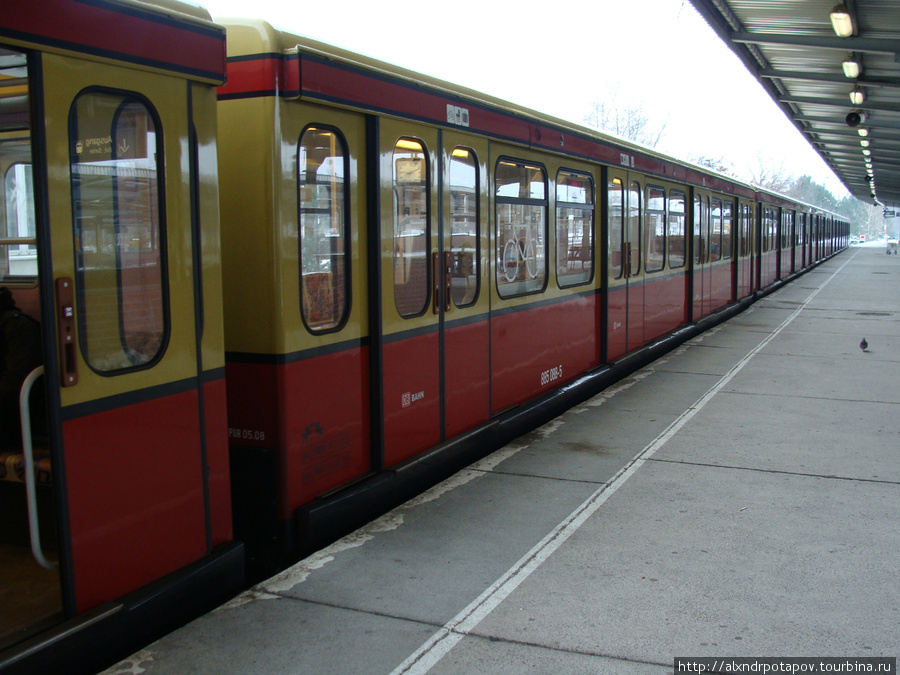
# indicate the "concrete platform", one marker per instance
pixel 738 497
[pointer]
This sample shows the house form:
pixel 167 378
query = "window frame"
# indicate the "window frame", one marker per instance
pixel 659 261
pixel 478 224
pixel 683 213
pixel 727 229
pixel 543 228
pixel 345 227
pixel 127 97
pixel 426 236
pixel 616 271
pixel 579 278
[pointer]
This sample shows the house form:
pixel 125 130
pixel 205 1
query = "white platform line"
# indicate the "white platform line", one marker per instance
pixel 439 644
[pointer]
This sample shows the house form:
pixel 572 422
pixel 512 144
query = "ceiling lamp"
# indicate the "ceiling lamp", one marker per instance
pixel 851 68
pixel 865 144
pixel 867 152
pixel 862 131
pixel 841 21
pixel 855 118
pixel 857 96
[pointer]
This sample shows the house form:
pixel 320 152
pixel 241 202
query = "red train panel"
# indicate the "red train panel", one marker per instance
pixel 538 348
pixel 665 308
pixel 318 445
pixel 134 482
pixel 219 475
pixel 412 397
pixel 467 371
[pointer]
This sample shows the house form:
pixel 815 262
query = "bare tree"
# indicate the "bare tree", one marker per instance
pixel 719 165
pixel 618 115
pixel 769 176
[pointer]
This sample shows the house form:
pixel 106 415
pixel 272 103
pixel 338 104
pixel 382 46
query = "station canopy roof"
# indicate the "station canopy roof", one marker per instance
pixel 796 52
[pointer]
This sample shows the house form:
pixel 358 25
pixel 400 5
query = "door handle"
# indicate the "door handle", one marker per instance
pixel 65 326
pixel 448 277
pixel 34 527
pixel 436 282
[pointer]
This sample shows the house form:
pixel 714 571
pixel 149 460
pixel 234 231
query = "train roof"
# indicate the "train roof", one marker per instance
pixel 346 78
pixel 175 36
pixel 264 60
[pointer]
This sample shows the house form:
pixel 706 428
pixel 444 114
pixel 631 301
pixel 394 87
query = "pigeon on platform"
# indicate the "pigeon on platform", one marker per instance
pixel 863 344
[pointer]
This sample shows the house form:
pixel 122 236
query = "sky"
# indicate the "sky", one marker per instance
pixel 657 53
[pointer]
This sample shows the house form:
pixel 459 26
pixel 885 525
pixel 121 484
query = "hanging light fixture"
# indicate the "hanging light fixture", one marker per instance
pixel 865 144
pixel 857 96
pixel 863 131
pixel 841 20
pixel 851 68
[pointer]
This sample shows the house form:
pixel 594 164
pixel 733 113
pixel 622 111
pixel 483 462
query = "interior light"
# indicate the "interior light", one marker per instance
pixel 862 131
pixel 867 152
pixel 865 144
pixel 857 96
pixel 841 21
pixel 851 68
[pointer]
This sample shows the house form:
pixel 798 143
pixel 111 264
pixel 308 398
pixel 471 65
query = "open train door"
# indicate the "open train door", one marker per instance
pixel 30 593
pixel 107 174
pixel 132 427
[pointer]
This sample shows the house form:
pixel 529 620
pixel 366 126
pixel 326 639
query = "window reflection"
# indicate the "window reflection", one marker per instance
pixel 411 181
pixel 324 222
pixel 120 263
pixel 464 226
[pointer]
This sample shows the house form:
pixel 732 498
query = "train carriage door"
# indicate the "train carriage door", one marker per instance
pixel 119 233
pixel 635 273
pixel 702 256
pixel 410 283
pixel 463 296
pixel 626 290
pixel 434 304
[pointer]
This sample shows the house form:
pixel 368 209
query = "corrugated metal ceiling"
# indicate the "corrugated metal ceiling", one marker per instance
pixel 792 49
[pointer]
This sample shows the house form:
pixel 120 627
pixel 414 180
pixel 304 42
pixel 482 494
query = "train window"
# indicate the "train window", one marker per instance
pixel 701 229
pixel 655 228
pixel 119 232
pixel 574 228
pixel 521 202
pixel 411 230
pixel 715 227
pixel 616 198
pixel 745 229
pixel 18 252
pixel 676 234
pixel 324 222
pixel 767 228
pixel 727 228
pixel 633 230
pixel 787 229
pixel 465 228
pixel 20 244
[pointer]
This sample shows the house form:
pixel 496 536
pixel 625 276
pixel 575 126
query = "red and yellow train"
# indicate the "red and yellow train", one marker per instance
pixel 284 289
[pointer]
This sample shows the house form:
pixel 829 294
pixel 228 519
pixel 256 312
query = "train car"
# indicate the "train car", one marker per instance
pixel 114 476
pixel 414 270
pixel 410 274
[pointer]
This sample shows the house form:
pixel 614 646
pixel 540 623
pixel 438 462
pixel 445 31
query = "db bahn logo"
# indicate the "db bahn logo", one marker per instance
pixel 408 398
